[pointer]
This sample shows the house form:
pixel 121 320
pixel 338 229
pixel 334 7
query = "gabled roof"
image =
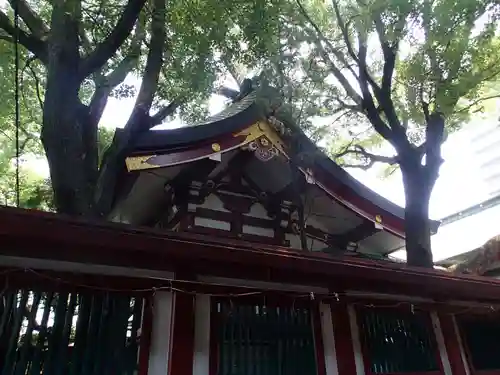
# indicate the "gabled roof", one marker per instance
pixel 481 261
pixel 222 129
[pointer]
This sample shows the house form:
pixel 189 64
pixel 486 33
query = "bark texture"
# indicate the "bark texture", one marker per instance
pixel 417 224
pixel 70 129
pixel 64 128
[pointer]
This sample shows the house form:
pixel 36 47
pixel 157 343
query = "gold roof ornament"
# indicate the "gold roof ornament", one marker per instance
pixel 139 162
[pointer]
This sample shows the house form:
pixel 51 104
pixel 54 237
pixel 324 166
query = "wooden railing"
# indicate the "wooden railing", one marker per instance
pixel 89 332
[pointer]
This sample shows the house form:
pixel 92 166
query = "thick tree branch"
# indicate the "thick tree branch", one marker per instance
pixel 227 92
pixel 165 111
pixel 121 71
pixel 389 57
pixel 389 49
pixel 339 55
pixel 384 93
pixel 344 31
pixel 423 103
pixel 128 63
pixel 6 37
pixel 98 104
pixel 37 81
pixel 84 39
pixel 350 49
pixel 106 49
pixel 348 107
pixel 106 84
pixel 334 69
pixel 368 102
pixel 30 42
pixel 369 158
pixel 232 69
pixel 475 102
pixel 35 24
pixel 139 120
pixel 434 137
pixel 392 130
pixel 154 60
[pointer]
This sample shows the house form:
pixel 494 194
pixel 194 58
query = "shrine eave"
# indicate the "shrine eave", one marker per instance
pixel 230 129
pixel 37 235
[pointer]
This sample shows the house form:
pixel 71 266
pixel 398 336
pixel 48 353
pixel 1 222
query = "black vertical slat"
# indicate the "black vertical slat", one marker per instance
pixel 369 340
pixel 397 342
pixel 219 334
pixel 271 334
pixel 110 336
pixel 222 337
pixel 401 342
pixel 226 343
pixel 228 339
pixel 481 338
pixel 10 299
pixel 50 353
pixel 367 337
pixel 413 343
pixel 392 341
pixel 263 340
pixel 308 322
pixel 241 341
pixel 92 331
pixel 27 347
pixel 65 333
pixel 10 358
pixel 117 339
pixel 6 322
pixel 296 341
pixel 55 337
pixel 254 338
pixel 248 323
pixel 104 323
pixel 81 331
pixel 293 343
pixel 37 360
pixel 279 340
pixel 132 352
pixel 390 358
pixel 427 334
pixel 263 346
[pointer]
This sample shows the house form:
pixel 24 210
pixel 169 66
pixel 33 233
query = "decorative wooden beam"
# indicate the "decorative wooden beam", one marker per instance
pixel 357 234
pixel 180 185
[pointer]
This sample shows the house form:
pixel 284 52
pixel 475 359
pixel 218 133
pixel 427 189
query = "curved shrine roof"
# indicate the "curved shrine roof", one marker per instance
pixel 241 115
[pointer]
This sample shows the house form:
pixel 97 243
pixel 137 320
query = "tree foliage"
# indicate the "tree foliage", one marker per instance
pixel 35 191
pixel 397 71
pixel 78 54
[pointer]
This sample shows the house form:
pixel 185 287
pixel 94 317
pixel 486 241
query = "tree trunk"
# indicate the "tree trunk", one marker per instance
pixel 417 224
pixel 65 129
pixel 63 134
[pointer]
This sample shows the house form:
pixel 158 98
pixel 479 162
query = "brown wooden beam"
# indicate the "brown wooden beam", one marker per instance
pixel 26 233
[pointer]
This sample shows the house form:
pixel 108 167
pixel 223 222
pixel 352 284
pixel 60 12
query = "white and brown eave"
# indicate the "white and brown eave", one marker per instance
pixel 240 163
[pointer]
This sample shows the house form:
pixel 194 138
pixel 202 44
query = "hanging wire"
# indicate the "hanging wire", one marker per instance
pixel 16 95
pixel 330 297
